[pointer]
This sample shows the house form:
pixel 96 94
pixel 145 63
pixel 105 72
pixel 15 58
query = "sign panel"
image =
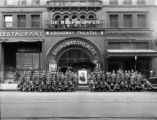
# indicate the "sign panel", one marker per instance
pixel 82 76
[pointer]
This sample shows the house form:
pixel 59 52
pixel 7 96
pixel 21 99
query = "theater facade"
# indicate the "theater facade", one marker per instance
pixel 57 35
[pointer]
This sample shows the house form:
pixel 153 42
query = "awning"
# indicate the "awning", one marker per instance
pixel 134 52
pixel 21 40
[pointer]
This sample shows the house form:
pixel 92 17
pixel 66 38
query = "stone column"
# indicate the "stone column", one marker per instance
pixel 43 55
pixel 154 66
pixel 1 64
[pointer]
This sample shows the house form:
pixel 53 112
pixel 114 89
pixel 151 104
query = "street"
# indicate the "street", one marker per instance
pixel 78 106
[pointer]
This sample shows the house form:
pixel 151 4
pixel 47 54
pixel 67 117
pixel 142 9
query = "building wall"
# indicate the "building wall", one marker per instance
pixel 100 41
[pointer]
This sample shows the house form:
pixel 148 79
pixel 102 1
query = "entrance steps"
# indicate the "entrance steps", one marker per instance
pixel 83 87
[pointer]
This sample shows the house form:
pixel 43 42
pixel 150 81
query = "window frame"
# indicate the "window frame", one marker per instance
pixel 117 20
pixel 21 22
pixel 127 2
pixel 124 20
pixel 39 20
pixel 113 2
pixel 34 2
pixel 145 26
pixel 140 2
pixel 7 22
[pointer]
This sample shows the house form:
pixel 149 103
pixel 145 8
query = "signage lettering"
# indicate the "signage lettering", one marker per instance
pixel 74 21
pixel 74 42
pixel 21 34
pixel 107 34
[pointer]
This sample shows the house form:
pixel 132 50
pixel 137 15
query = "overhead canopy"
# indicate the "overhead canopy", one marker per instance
pixel 22 40
pixel 132 52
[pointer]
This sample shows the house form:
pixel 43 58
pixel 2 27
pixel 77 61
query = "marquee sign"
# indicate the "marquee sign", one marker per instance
pixel 74 42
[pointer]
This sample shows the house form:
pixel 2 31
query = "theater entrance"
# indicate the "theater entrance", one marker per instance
pixel 75 59
pixel 75 54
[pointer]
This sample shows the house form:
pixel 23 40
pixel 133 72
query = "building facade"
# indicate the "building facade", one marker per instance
pixel 74 34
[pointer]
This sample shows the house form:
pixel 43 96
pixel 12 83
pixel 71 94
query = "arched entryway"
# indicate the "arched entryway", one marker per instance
pixel 73 56
pixel 75 53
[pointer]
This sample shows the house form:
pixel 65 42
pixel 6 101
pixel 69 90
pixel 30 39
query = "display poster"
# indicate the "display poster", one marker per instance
pixel 82 76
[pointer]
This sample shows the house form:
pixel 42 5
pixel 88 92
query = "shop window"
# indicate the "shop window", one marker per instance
pixel 141 2
pixel 22 2
pixel 128 45
pixel 141 21
pixel 28 60
pixel 127 21
pixel 8 19
pixel 21 21
pixel 35 2
pixel 127 2
pixel 114 21
pixel 113 2
pixel 35 21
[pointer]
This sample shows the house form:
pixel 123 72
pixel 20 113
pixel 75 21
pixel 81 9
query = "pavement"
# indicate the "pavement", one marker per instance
pixel 78 105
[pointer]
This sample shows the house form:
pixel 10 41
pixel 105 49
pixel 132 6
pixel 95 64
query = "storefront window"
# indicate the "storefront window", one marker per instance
pixel 28 60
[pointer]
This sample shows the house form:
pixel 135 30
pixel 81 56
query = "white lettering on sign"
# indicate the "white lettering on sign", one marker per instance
pixel 21 34
pixel 74 42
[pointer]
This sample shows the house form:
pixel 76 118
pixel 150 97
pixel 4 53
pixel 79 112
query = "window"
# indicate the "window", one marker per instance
pixel 28 60
pixel 127 2
pixel 113 20
pixel 141 20
pixel 113 2
pixel 35 21
pixel 21 21
pixel 35 2
pixel 8 21
pixel 128 45
pixel 141 2
pixel 22 2
pixel 9 2
pixel 127 21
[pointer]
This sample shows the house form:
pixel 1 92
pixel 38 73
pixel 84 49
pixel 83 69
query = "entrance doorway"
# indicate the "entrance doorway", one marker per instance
pixel 74 59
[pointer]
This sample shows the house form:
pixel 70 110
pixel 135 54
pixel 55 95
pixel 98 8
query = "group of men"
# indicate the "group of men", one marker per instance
pixel 116 81
pixel 69 81
pixel 48 82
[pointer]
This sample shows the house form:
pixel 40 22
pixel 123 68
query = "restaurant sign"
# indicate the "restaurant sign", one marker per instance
pixel 20 34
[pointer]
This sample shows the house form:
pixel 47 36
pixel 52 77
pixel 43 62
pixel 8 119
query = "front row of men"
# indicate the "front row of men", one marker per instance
pixel 68 82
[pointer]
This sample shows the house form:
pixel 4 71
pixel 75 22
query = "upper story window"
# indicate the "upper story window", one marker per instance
pixel 35 2
pixel 113 2
pixel 21 21
pixel 127 2
pixel 8 19
pixel 141 2
pixel 113 21
pixel 141 20
pixel 35 21
pixel 9 2
pixel 22 2
pixel 127 21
